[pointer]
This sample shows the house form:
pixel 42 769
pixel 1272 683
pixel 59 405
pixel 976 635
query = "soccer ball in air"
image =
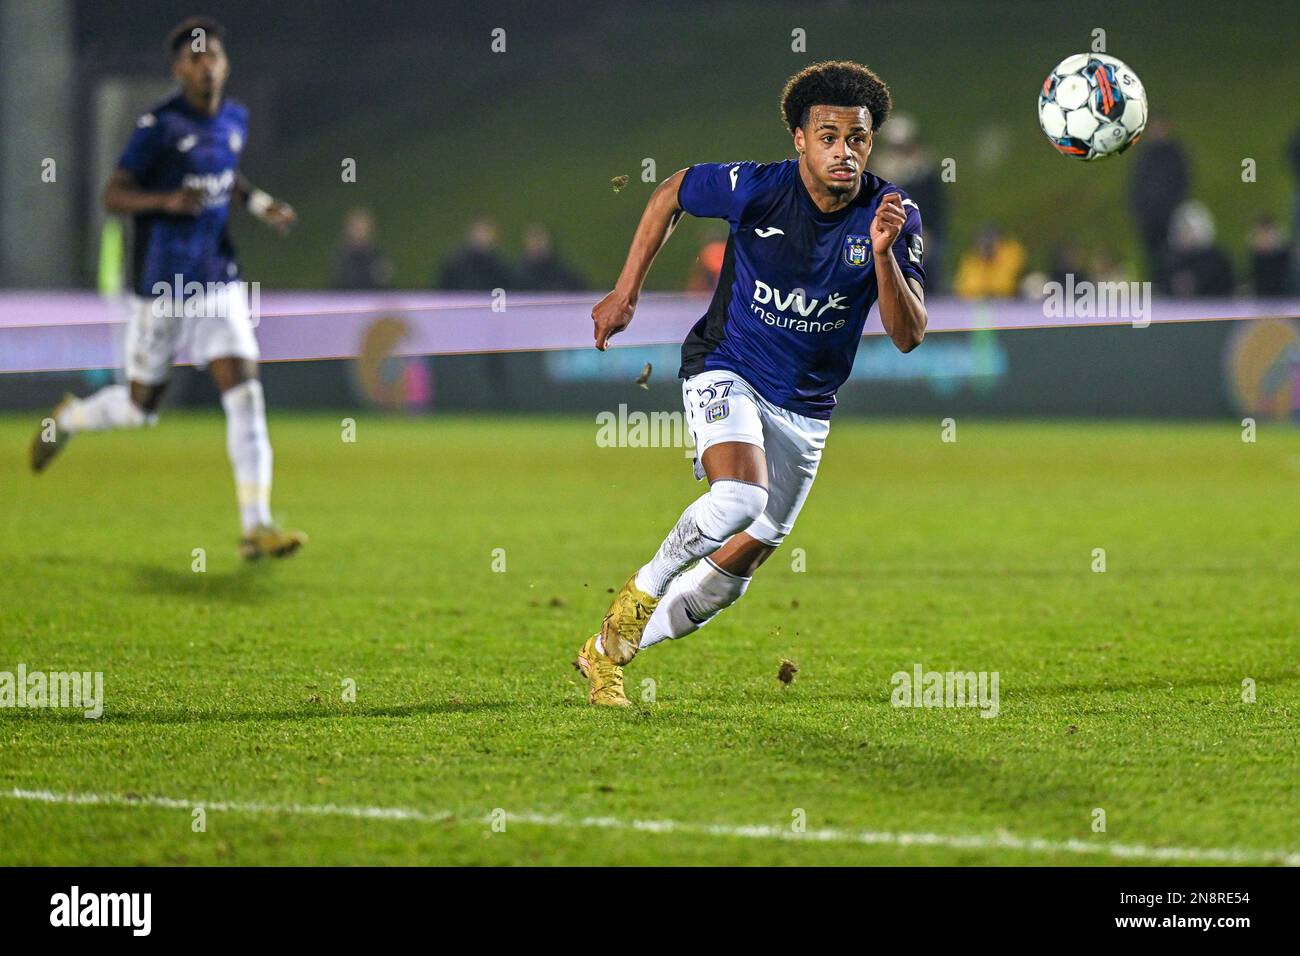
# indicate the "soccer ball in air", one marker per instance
pixel 1092 106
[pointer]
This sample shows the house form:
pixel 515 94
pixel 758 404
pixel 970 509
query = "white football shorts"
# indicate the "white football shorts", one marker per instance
pixel 722 407
pixel 219 326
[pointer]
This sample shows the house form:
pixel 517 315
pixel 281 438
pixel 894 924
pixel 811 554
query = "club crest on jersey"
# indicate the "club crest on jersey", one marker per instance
pixel 717 411
pixel 857 251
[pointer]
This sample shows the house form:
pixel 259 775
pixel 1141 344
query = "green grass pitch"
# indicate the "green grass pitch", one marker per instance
pixel 1119 691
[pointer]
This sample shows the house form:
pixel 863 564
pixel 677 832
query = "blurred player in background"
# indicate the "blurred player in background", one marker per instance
pixel 177 177
pixel 814 242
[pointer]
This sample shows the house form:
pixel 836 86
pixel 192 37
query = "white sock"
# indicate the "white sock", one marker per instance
pixel 110 407
pixel 693 599
pixel 249 446
pixel 727 507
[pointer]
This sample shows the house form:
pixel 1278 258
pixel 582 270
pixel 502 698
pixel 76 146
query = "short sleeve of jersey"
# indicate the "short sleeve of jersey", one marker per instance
pixel 142 148
pixel 909 247
pixel 717 190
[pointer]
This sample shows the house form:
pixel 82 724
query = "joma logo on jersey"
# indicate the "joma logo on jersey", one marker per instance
pixel 857 251
pixel 797 302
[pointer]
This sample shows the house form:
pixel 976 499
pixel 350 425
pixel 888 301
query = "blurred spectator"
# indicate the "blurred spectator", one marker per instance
pixel 904 161
pixel 1195 265
pixel 1034 285
pixel 1294 151
pixel 478 266
pixel 1068 260
pixel 478 263
pixel 1107 268
pixel 358 263
pixel 1068 266
pixel 1159 185
pixel 992 269
pixel 541 269
pixel 1270 259
pixel 708 262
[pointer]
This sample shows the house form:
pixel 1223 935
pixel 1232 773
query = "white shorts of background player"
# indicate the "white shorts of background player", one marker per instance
pixel 223 328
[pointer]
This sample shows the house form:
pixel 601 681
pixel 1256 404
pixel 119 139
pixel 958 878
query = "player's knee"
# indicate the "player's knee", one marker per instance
pixel 232 372
pixel 145 400
pixel 733 506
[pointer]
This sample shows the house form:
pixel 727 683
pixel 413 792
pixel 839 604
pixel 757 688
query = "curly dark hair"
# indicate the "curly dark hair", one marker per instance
pixel 834 83
pixel 181 35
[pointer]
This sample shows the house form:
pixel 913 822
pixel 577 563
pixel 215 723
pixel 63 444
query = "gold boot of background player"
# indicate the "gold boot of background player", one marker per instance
pixel 269 540
pixel 42 451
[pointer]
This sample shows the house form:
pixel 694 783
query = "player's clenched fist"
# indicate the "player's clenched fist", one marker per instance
pixel 888 223
pixel 611 316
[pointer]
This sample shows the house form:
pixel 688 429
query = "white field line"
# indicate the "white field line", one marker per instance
pixel 994 841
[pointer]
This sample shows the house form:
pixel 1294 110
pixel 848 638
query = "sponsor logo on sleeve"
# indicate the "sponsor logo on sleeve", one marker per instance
pixel 915 249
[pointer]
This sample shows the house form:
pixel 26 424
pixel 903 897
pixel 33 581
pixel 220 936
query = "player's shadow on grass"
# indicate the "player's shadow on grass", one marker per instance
pixel 1227 686
pixel 974 573
pixel 318 712
pixel 245 584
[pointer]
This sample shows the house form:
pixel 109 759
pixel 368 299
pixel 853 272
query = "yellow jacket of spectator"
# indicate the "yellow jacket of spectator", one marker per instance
pixel 994 277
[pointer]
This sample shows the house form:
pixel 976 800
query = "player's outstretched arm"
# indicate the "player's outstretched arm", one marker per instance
pixel 902 300
pixel 614 312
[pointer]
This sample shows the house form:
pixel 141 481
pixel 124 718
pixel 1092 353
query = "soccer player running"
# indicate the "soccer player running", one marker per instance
pixel 814 242
pixel 177 178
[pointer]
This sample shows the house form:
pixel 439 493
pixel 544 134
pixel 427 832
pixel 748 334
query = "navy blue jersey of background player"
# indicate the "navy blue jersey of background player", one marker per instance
pixel 796 283
pixel 175 147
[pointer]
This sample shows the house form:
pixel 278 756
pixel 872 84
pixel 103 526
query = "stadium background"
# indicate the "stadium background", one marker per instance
pixel 444 131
